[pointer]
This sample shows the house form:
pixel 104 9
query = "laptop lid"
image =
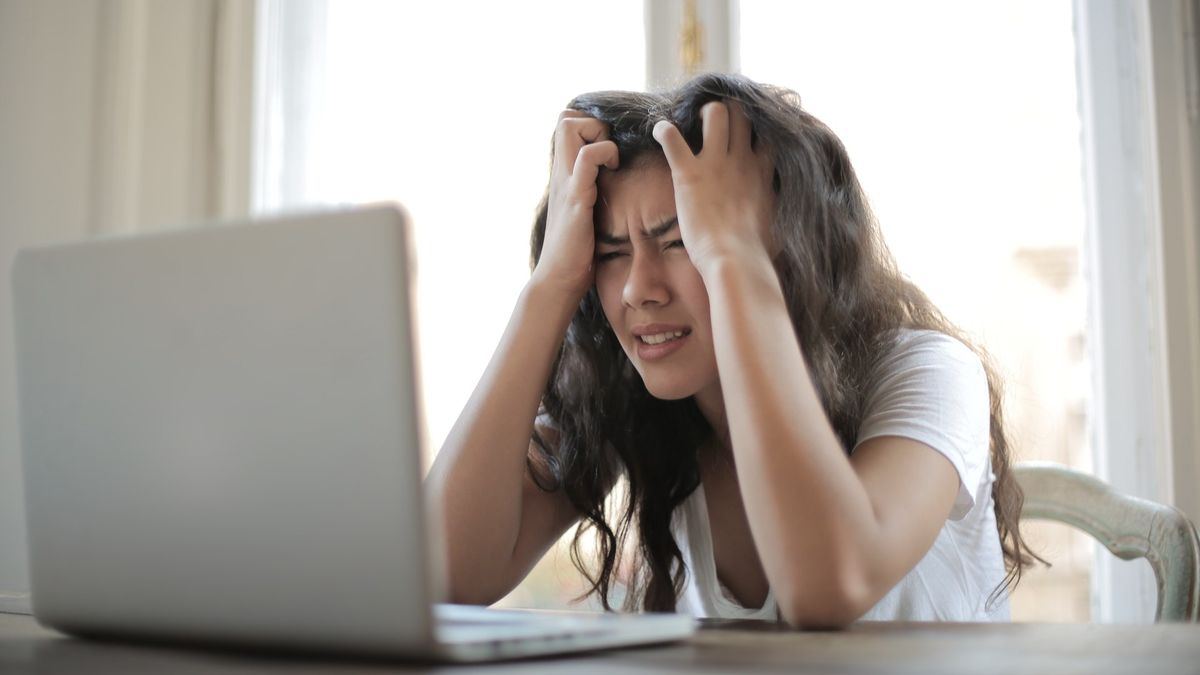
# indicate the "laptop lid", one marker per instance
pixel 221 434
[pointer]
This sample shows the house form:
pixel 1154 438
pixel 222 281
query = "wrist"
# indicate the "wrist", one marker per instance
pixel 551 301
pixel 745 263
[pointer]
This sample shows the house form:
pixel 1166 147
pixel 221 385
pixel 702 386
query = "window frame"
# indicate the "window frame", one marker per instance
pixel 1139 114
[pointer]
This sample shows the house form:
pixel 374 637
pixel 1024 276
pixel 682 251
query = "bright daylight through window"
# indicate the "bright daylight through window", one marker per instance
pixel 453 119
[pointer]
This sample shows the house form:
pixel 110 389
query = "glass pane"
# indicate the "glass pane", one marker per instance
pixel 961 119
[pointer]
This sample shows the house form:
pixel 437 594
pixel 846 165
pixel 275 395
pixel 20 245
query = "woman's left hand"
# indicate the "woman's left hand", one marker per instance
pixel 723 196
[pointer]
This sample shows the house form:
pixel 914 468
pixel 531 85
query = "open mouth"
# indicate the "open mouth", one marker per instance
pixel 660 338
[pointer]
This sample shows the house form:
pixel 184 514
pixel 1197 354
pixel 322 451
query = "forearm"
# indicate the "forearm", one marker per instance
pixel 810 515
pixel 478 475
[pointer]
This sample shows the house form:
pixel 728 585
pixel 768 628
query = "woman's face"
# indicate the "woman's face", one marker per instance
pixel 653 297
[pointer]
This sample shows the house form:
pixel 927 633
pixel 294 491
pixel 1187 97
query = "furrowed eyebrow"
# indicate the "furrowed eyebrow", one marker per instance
pixel 653 233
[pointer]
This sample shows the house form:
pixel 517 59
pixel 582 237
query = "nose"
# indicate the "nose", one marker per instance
pixel 646 283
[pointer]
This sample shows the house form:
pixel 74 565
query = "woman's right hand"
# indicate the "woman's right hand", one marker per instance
pixel 581 147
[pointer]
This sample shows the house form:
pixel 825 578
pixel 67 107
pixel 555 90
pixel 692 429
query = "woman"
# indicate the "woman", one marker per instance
pixel 713 315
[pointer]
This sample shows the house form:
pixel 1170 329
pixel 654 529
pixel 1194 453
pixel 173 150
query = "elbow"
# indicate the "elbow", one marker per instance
pixel 466 597
pixel 831 603
pixel 473 584
pixel 481 592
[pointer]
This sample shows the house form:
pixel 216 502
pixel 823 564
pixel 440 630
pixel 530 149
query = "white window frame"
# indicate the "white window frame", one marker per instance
pixel 1139 148
pixel 1175 60
pixel 664 21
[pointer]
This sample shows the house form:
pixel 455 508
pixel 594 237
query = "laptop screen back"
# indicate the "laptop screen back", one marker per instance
pixel 221 433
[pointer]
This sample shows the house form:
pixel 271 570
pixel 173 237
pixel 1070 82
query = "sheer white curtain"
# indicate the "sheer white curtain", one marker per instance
pixel 122 116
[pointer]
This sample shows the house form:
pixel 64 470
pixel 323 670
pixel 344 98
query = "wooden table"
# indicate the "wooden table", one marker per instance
pixel 720 647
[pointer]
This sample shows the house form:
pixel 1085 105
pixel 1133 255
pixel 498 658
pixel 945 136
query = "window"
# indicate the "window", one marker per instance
pixel 961 119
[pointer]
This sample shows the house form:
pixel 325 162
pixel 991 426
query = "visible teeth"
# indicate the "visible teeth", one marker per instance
pixel 659 338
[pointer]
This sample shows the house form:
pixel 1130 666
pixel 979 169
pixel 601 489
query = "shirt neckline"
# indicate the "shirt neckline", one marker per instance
pixel 700 542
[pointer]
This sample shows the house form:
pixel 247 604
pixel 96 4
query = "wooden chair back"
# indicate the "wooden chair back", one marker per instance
pixel 1128 526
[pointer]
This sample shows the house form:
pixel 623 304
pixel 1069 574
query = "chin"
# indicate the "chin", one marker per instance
pixel 669 391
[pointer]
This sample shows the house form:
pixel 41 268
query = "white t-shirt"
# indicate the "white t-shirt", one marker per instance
pixel 933 389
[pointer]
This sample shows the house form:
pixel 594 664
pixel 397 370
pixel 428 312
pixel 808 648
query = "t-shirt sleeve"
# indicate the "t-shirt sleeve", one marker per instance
pixel 931 388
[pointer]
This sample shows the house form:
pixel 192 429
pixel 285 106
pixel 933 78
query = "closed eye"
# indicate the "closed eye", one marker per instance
pixel 605 257
pixel 674 243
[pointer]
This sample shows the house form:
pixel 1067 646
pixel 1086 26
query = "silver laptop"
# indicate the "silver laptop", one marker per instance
pixel 222 443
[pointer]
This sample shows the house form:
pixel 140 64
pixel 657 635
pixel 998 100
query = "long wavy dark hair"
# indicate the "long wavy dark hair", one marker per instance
pixel 845 296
